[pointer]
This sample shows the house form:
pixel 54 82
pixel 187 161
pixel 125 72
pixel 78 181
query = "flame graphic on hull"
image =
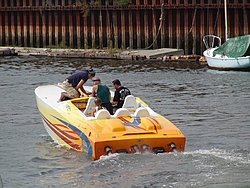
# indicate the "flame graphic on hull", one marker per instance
pixel 71 135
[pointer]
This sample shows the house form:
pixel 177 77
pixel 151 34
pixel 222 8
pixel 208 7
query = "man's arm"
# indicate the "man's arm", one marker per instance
pixel 115 101
pixel 94 89
pixel 80 86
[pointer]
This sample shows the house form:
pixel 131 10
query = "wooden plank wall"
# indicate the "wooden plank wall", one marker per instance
pixel 143 24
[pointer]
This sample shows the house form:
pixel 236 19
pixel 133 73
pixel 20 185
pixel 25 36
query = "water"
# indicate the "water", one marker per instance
pixel 210 107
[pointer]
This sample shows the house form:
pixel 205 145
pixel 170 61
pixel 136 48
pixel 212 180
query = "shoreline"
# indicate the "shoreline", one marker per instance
pixel 165 55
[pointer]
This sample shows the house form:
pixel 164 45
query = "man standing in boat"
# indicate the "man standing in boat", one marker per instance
pixel 73 83
pixel 120 94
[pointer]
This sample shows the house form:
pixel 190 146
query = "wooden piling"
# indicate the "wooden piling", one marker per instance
pixel 245 20
pixel 146 28
pixel 131 30
pixel 138 27
pixel 37 23
pixel 102 24
pixel 12 26
pixel 123 29
pixel 1 28
pixel 116 32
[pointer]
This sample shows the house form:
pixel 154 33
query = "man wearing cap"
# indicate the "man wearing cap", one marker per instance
pixel 73 83
pixel 102 92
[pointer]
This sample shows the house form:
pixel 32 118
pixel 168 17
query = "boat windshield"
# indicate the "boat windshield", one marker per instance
pixel 234 47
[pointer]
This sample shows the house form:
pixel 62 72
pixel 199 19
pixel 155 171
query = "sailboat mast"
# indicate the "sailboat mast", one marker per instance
pixel 225 11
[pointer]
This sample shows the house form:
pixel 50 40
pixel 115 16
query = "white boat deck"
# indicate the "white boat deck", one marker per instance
pixel 50 94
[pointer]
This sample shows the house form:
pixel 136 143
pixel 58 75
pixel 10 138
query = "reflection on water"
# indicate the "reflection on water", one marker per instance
pixel 210 107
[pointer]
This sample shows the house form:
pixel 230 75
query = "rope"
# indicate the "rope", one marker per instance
pixel 217 15
pixel 191 28
pixel 244 12
pixel 192 21
pixel 159 28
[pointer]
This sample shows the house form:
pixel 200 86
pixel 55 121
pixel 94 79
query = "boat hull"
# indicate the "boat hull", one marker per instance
pixel 56 126
pixel 241 63
pixel 70 127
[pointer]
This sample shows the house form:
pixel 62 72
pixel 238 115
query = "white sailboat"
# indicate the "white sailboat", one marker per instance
pixel 234 54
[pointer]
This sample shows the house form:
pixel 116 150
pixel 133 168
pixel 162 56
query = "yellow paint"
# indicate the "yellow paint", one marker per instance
pixel 117 133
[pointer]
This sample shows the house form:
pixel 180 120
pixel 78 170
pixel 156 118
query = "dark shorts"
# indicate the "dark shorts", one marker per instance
pixel 115 108
pixel 109 107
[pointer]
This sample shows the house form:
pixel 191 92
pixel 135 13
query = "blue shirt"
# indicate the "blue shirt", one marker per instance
pixel 75 78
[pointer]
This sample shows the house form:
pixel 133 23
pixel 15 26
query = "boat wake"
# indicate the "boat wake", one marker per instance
pixel 239 156
pixel 108 157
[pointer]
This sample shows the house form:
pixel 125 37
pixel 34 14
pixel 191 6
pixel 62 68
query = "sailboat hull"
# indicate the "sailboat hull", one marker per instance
pixel 223 62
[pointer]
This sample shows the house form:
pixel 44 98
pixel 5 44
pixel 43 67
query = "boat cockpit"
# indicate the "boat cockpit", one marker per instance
pixel 132 107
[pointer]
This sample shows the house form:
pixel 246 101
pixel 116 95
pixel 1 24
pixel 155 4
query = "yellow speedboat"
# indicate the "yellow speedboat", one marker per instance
pixel 133 128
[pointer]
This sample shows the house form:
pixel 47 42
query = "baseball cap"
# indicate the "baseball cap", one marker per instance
pixel 91 71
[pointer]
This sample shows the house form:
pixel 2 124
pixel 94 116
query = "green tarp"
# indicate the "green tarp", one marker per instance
pixel 234 47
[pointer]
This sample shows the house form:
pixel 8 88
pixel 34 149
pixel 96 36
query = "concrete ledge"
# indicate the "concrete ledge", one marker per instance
pixel 163 54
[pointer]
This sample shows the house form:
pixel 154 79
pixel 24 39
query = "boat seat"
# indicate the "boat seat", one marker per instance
pixel 89 106
pixel 122 112
pixel 130 103
pixel 103 114
pixel 141 112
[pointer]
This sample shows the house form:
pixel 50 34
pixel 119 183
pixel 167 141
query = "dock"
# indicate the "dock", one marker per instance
pixel 165 52
pixel 155 54
pixel 167 55
pixel 7 51
pixel 141 54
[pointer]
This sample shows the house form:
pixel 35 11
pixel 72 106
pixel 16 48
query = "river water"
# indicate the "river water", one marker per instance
pixel 211 108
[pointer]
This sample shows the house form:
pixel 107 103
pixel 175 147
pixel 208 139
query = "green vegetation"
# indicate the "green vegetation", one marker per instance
pixel 48 3
pixel 61 45
pixel 85 11
pixel 79 3
pixel 86 44
pixel 95 3
pixel 122 3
